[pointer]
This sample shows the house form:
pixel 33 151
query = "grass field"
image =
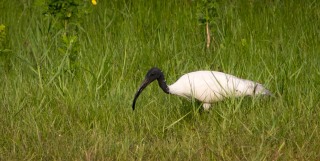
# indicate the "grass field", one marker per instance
pixel 48 112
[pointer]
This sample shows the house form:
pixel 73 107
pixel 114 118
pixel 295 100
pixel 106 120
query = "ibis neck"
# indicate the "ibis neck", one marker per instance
pixel 163 85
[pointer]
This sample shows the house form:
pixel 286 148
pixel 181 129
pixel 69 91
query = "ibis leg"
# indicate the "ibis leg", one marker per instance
pixel 206 106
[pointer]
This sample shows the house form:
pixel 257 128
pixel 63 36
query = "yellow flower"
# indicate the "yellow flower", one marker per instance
pixel 94 2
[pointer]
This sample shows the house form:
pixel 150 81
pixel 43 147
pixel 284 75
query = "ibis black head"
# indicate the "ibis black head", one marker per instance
pixel 153 74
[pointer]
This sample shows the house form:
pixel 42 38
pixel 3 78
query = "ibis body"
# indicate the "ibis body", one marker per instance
pixel 205 86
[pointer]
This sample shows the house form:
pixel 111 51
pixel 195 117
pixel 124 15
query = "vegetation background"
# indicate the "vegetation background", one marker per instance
pixel 68 79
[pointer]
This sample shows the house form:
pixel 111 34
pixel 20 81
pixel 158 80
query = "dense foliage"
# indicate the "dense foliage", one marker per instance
pixel 69 71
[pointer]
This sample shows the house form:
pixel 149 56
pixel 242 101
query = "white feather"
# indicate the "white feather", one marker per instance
pixel 212 86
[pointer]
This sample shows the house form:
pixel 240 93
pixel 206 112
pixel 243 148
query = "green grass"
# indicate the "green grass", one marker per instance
pixel 48 113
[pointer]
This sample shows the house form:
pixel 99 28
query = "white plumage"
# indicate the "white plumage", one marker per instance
pixel 212 86
pixel 205 86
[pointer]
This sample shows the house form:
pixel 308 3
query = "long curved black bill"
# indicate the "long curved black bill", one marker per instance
pixel 144 84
